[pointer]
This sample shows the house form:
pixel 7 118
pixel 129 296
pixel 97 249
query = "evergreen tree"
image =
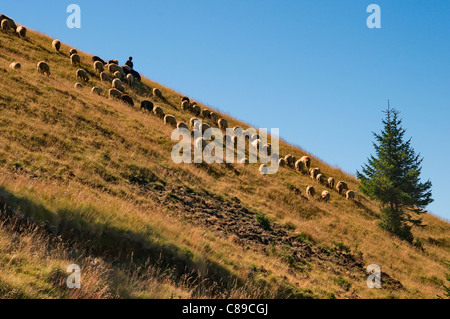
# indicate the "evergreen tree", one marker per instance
pixel 393 178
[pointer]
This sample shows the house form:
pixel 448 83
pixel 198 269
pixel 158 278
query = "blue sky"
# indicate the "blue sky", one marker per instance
pixel 311 68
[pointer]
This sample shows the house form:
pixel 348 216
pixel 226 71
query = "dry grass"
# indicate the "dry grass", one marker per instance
pixel 91 165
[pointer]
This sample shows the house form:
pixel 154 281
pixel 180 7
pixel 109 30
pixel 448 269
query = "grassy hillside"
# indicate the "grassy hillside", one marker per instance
pixel 89 180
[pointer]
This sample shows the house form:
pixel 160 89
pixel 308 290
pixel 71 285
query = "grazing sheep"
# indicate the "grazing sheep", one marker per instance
pixel 75 59
pixel 43 68
pixel 204 127
pixel 257 144
pixel 147 105
pixel 196 110
pixel 341 186
pixel 192 121
pixel 299 165
pixel 157 93
pixel 350 195
pixel 326 196
pixel 96 90
pixel 214 117
pixel 185 106
pixel 116 62
pixel 263 169
pixel 12 25
pixel 331 182
pixel 113 68
pixel 201 143
pixel 223 124
pixel 5 25
pixel 56 44
pixel 158 111
pixel 78 86
pixel 289 160
pixel 185 98
pixel 267 149
pixel 118 75
pixel 117 84
pixel 114 93
pixel 130 79
pixel 239 131
pixel 128 99
pixel 21 31
pixel 313 172
pixel 206 113
pixel 243 161
pixel 99 67
pixel 282 162
pixel 307 161
pixel 170 120
pixel 73 51
pixel 310 191
pixel 82 74
pixel 182 125
pixel 96 58
pixel 105 77
pixel 15 66
pixel 320 178
pixel 254 137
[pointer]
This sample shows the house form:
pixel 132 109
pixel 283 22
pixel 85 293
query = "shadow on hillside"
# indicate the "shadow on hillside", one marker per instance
pixel 111 243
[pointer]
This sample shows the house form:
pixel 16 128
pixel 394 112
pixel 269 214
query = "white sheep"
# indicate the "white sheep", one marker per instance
pixel 307 161
pixel 56 44
pixel 130 79
pixel 310 191
pixel 83 75
pixel 5 25
pixel 299 165
pixel 113 68
pixel 170 120
pixel 75 59
pixel 350 195
pixel 105 77
pixel 331 182
pixel 15 66
pixel 99 67
pixel 320 178
pixel 21 31
pixel 78 86
pixel 223 124
pixel 117 84
pixel 73 51
pixel 185 105
pixel 314 172
pixel 192 121
pixel 114 93
pixel 43 68
pixel 326 196
pixel 263 169
pixel 196 109
pixel 341 186
pixel 182 125
pixel 96 90
pixel 158 111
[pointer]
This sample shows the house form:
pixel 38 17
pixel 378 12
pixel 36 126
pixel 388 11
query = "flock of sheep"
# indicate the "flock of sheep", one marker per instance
pixel 117 74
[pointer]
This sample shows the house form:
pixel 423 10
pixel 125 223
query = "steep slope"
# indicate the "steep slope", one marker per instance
pixel 99 175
